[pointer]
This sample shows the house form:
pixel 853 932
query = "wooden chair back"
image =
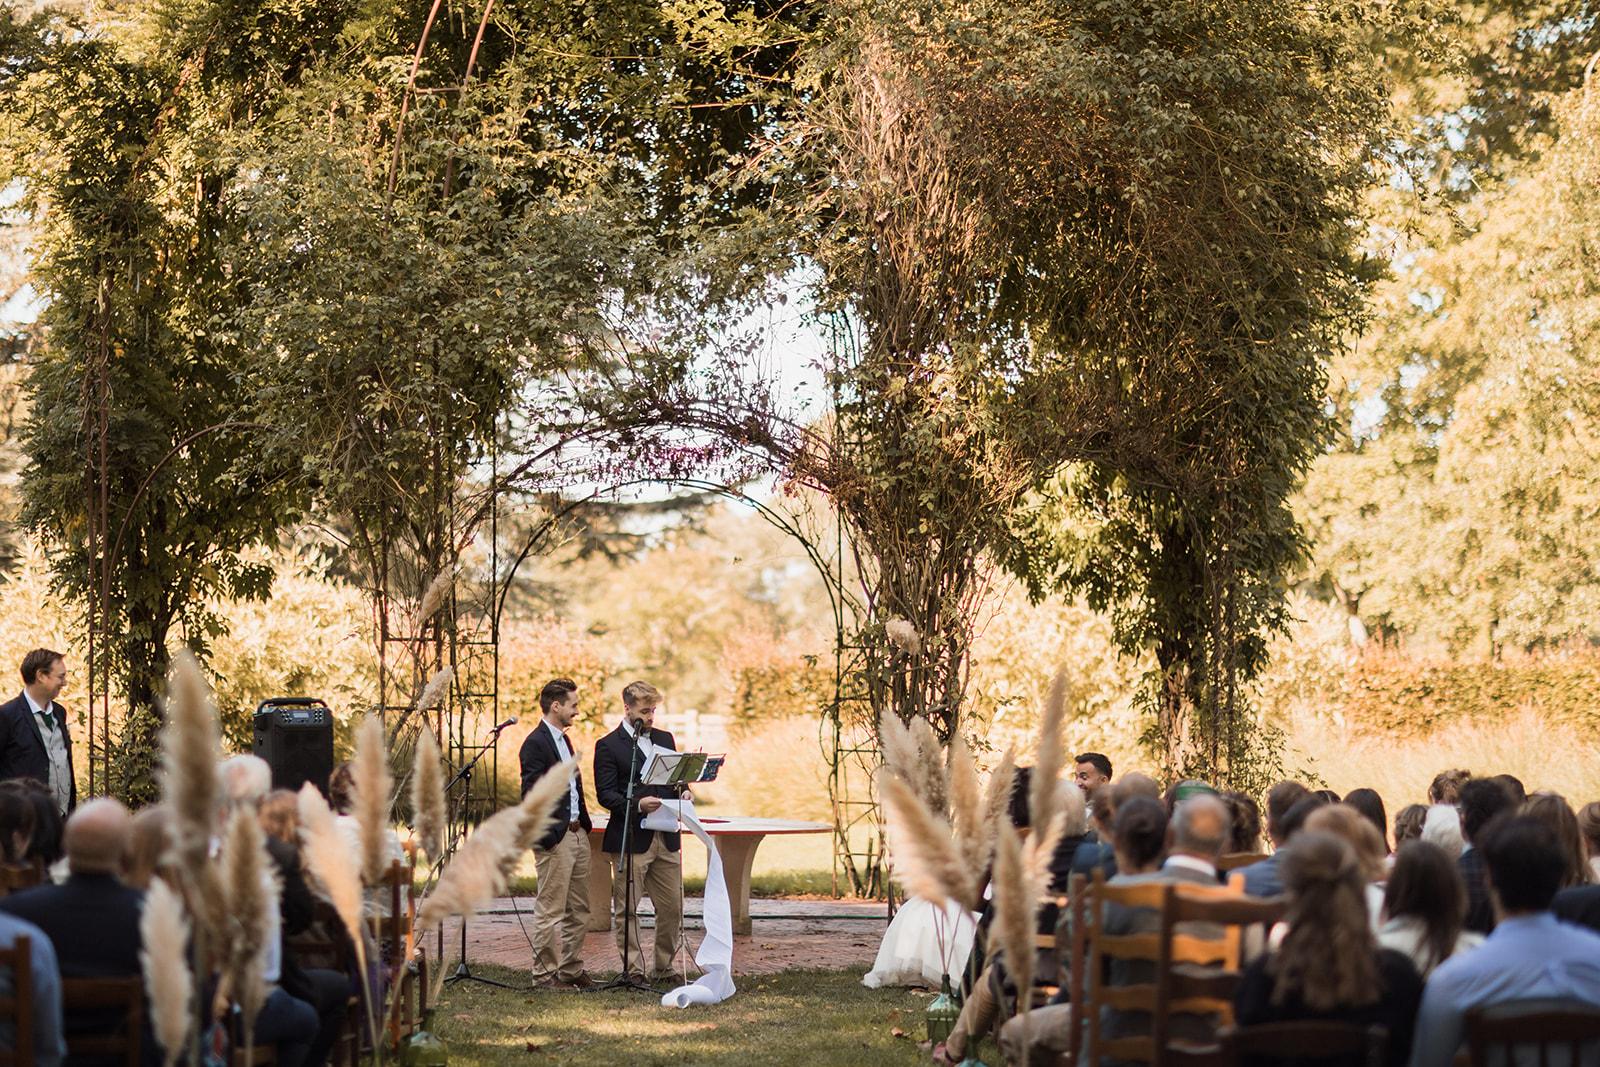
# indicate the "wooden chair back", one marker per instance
pixel 1495 1034
pixel 1232 861
pixel 1106 947
pixel 1207 988
pixel 89 995
pixel 1286 1042
pixel 17 1008
pixel 15 876
pixel 1077 958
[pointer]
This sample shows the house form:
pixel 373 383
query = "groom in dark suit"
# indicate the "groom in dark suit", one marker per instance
pixel 34 742
pixel 562 855
pixel 657 866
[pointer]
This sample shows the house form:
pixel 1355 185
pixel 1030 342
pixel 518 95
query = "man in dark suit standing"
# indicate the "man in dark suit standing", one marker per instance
pixel 33 729
pixel 619 757
pixel 561 918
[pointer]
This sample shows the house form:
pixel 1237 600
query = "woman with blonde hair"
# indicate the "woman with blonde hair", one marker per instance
pixel 1371 851
pixel 149 842
pixel 1329 967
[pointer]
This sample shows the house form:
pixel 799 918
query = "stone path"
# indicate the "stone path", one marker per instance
pixel 788 934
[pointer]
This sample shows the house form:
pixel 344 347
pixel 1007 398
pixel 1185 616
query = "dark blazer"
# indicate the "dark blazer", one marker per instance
pixel 1579 905
pixel 612 755
pixel 538 756
pixel 92 921
pixel 22 752
pixel 1480 910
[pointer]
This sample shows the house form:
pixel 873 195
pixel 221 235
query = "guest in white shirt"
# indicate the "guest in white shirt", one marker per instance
pixel 1424 905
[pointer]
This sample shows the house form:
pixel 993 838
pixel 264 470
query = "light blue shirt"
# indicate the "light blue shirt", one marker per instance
pixel 1262 879
pixel 48 1045
pixel 1527 957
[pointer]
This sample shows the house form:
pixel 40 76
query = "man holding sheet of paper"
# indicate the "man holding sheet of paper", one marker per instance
pixel 657 865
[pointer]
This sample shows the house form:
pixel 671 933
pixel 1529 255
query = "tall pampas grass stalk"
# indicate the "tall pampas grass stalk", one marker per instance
pixel 433 597
pixel 966 803
pixel 1049 757
pixel 923 850
pixel 427 795
pixel 374 788
pixel 434 690
pixel 1014 905
pixel 253 891
pixel 912 752
pixel 164 931
pixel 190 751
pixel 339 873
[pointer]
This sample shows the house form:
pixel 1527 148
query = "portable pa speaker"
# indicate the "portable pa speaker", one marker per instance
pixel 295 736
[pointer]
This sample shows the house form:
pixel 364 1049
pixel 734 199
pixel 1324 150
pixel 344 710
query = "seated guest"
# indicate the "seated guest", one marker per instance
pixel 1074 835
pixel 1328 795
pixel 1370 805
pixel 1408 824
pixel 1441 826
pixel 1289 804
pixel 1513 787
pixel 1102 855
pixel 1481 800
pixel 1139 839
pixel 1589 827
pixel 1424 904
pixel 1092 773
pixel 342 799
pixel 150 839
pixel 1446 786
pixel 1245 816
pixel 1530 955
pixel 1553 810
pixel 1353 828
pixel 49 1046
pixel 1329 967
pixel 45 845
pixel 92 919
pixel 16 826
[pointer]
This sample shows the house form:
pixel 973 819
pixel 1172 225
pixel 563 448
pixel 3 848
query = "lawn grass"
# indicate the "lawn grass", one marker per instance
pixel 819 1018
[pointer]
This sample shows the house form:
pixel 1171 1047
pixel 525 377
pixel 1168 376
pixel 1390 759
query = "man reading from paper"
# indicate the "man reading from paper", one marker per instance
pixel 657 866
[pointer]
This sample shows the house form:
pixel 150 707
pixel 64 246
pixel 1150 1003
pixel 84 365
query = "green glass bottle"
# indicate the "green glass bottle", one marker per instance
pixel 942 1013
pixel 423 1048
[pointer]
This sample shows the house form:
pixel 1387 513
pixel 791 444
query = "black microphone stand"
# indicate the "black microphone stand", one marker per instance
pixel 463 973
pixel 624 980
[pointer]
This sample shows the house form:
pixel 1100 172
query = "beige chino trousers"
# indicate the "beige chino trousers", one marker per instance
pixel 561 917
pixel 657 874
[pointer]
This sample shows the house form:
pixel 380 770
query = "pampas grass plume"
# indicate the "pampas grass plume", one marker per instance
pixel 433 692
pixel 966 801
pixel 480 869
pixel 190 751
pixel 164 930
pixel 1013 915
pixel 253 890
pixel 924 855
pixel 434 596
pixel 374 786
pixel 903 636
pixel 427 795
pixel 1049 759
pixel 339 873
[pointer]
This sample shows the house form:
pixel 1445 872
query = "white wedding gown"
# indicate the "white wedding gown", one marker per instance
pixel 910 954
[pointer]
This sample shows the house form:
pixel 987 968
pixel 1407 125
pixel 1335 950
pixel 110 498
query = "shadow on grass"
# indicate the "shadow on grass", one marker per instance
pixel 824 1018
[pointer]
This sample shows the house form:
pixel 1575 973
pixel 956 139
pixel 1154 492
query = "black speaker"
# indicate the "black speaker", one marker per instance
pixel 295 736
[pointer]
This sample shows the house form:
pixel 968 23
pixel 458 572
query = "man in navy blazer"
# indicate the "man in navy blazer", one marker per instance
pixel 34 742
pixel 619 757
pixel 562 856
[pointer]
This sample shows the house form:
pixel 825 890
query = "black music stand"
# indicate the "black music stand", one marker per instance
pixel 463 972
pixel 624 980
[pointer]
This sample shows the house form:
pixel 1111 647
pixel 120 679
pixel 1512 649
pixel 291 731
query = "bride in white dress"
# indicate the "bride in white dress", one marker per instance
pixel 922 945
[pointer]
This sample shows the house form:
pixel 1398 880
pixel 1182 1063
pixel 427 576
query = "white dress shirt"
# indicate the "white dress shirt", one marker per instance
pixel 564 750
pixel 647 747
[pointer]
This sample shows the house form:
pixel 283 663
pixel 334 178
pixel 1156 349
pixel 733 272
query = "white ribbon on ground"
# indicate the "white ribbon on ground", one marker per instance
pixel 715 955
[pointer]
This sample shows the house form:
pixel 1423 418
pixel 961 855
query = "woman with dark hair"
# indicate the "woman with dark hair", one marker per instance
pixel 1424 906
pixel 16 825
pixel 46 843
pixel 1329 966
pixel 1370 805
pixel 1246 822
pixel 1553 810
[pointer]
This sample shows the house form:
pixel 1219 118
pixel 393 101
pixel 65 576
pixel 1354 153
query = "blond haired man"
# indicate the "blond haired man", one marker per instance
pixel 619 757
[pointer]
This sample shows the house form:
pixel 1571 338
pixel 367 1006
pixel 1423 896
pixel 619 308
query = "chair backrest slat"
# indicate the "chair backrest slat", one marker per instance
pixel 80 994
pixel 1517 1025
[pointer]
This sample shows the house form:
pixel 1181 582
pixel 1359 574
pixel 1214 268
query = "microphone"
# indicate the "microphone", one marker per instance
pixel 509 722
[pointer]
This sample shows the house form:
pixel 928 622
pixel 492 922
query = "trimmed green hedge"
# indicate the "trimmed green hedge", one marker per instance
pixel 1389 694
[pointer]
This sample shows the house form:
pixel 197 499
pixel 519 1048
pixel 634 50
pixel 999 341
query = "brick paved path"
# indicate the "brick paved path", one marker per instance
pixel 788 935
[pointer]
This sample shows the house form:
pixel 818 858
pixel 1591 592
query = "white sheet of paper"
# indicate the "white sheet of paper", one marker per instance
pixel 665 818
pixel 715 955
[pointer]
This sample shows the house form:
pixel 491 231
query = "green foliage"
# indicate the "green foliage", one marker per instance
pixel 1403 697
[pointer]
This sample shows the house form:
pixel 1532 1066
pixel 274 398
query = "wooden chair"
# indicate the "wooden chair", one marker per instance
pixel 1528 1024
pixel 15 876
pixel 18 1007
pixel 1210 990
pixel 1078 902
pixel 124 995
pixel 1204 985
pixel 1234 860
pixel 1286 1042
